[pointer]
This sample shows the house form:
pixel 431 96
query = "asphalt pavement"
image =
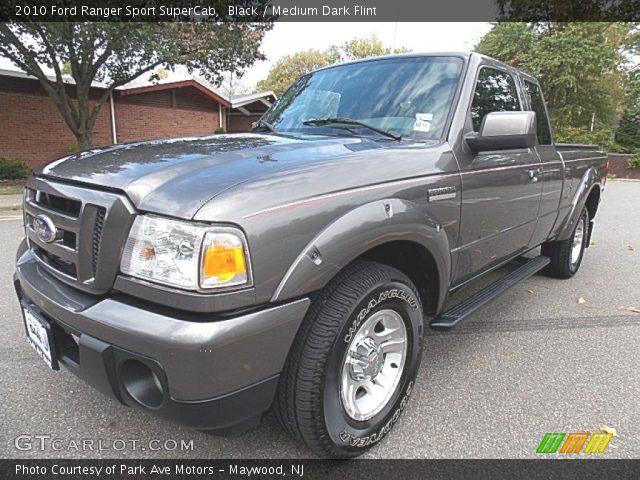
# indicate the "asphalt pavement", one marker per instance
pixel 539 359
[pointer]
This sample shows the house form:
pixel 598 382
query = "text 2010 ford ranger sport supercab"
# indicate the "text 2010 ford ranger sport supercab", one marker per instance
pixel 206 279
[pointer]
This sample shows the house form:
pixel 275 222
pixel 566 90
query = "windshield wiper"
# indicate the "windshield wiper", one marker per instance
pixel 265 124
pixel 351 121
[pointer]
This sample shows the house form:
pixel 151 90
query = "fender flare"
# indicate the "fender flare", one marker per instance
pixel 588 182
pixel 358 231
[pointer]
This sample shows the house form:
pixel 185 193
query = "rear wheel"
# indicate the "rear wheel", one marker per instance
pixel 354 361
pixel 566 255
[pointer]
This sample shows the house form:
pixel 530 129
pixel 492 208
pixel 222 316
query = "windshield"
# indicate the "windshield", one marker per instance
pixel 409 96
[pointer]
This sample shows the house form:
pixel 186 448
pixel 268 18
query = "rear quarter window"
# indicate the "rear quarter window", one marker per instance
pixel 537 105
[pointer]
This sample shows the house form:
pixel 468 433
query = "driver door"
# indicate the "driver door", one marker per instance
pixel 501 190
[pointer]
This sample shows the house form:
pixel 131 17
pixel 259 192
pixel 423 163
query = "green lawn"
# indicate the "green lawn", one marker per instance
pixel 10 189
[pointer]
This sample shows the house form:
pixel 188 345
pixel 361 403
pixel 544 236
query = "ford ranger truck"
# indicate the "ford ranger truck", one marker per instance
pixel 295 267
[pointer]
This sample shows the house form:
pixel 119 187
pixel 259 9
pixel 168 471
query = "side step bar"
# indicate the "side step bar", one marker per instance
pixel 449 319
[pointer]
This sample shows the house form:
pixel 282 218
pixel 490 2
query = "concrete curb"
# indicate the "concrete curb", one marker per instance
pixel 10 208
pixel 10 202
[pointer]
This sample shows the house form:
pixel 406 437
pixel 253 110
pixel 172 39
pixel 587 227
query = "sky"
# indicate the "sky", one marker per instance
pixel 290 37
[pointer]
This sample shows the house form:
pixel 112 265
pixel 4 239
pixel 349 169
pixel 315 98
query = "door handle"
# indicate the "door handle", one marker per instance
pixel 533 175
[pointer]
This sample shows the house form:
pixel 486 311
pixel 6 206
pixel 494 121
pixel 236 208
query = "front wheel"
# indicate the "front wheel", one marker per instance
pixel 354 361
pixel 566 255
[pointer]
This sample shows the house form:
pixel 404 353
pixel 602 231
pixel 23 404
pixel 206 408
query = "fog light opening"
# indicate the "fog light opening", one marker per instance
pixel 142 383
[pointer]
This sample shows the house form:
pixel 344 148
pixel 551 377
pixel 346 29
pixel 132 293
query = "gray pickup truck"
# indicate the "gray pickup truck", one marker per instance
pixel 209 279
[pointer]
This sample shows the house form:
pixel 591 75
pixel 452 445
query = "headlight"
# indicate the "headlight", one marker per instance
pixel 186 255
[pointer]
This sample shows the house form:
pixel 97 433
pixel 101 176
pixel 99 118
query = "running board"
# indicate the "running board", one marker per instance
pixel 449 319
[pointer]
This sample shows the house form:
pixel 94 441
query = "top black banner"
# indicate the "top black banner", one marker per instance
pixel 322 10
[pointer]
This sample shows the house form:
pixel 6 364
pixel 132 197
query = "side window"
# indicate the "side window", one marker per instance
pixel 537 104
pixel 495 92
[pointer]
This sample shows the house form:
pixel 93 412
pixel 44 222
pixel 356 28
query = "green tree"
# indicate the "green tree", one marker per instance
pixel 289 68
pixel 565 10
pixel 628 132
pixel 117 53
pixel 508 42
pixel 363 47
pixel 580 66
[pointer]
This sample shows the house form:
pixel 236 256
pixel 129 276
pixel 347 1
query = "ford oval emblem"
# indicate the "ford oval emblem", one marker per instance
pixel 45 228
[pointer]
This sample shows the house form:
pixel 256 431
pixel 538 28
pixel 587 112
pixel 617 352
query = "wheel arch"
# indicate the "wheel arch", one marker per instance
pixel 394 232
pixel 417 263
pixel 587 194
pixel 593 201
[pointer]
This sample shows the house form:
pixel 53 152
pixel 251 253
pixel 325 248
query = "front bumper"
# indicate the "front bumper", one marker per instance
pixel 208 372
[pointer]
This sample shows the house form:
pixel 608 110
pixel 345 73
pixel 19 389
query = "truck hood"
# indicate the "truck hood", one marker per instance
pixel 178 176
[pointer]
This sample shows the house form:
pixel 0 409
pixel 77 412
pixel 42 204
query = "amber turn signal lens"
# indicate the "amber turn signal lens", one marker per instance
pixel 224 262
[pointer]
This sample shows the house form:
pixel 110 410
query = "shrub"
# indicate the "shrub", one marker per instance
pixel 634 162
pixel 628 132
pixel 603 137
pixel 12 169
pixel 220 130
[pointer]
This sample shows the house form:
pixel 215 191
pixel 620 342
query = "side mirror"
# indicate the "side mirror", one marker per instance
pixel 504 131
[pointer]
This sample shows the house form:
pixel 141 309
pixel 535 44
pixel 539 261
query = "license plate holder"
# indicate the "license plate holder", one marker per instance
pixel 40 336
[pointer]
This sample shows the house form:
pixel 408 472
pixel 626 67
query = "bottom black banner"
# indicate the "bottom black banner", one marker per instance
pixel 351 469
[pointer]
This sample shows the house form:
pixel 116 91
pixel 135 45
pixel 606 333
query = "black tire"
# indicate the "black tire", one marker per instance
pixel 308 402
pixel 562 265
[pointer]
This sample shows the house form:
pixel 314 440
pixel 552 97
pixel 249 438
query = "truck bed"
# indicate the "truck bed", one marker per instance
pixel 569 147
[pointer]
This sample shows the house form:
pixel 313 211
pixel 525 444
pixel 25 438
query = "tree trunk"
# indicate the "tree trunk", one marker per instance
pixel 84 139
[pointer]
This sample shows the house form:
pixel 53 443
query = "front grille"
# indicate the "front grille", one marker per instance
pixel 66 206
pixel 67 238
pixel 54 261
pixel 81 218
pixel 97 236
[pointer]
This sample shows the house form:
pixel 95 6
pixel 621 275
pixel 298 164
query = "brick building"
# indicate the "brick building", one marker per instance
pixel 247 109
pixel 33 130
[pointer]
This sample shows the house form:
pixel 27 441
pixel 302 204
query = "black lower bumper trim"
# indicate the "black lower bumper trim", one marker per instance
pixel 222 414
pixel 103 365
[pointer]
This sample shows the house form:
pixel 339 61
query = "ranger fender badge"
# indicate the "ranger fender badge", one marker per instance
pixel 441 193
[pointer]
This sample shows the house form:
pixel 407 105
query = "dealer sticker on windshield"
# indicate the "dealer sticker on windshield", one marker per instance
pixel 423 122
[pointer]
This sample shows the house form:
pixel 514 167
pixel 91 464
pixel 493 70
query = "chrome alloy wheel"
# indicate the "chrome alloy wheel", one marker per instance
pixel 373 365
pixel 578 237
